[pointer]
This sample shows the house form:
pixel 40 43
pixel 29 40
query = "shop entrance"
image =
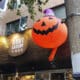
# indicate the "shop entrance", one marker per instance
pixel 41 75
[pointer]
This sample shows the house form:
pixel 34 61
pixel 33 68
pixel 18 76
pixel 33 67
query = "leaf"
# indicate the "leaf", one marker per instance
pixel 18 12
pixel 29 4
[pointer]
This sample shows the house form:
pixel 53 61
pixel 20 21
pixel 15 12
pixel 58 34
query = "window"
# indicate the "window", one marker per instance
pixel 42 76
pixel 16 26
pixel 3 5
pixel 60 11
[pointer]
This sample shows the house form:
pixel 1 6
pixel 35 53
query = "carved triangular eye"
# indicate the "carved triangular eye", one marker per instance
pixel 43 24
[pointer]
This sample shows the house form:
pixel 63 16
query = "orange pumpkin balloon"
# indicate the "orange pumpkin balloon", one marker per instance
pixel 49 32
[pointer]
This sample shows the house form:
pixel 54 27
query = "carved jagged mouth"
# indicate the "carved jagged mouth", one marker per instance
pixel 47 31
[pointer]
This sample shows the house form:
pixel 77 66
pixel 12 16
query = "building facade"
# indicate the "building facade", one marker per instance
pixel 9 16
pixel 8 22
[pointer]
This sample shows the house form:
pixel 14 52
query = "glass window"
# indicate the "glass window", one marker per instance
pixel 42 76
pixel 60 11
pixel 3 5
pixel 16 26
pixel 57 76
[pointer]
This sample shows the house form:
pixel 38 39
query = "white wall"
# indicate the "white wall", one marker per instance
pixel 11 15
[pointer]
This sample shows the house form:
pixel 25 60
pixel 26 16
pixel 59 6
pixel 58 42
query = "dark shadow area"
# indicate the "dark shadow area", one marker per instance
pixel 36 59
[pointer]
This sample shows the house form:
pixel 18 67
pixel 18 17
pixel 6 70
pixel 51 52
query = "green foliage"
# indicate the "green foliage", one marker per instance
pixel 29 3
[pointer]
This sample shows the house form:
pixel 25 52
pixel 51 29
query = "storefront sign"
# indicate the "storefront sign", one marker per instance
pixel 18 44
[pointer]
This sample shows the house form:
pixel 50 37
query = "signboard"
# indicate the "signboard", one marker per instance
pixel 17 44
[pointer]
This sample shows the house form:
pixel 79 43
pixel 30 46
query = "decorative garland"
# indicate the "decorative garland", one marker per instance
pixel 16 4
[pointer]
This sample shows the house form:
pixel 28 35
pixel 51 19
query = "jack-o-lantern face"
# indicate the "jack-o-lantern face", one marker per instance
pixel 44 27
pixel 48 32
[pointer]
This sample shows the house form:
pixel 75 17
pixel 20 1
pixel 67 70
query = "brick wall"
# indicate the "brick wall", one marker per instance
pixel 11 15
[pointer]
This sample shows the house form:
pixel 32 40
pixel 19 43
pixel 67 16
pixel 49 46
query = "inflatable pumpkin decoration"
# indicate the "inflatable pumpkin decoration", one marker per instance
pixel 49 32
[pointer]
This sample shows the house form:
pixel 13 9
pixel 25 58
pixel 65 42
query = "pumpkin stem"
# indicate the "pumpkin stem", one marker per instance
pixel 52 55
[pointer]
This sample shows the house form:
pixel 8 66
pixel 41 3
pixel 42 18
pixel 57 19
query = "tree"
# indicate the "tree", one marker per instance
pixel 16 4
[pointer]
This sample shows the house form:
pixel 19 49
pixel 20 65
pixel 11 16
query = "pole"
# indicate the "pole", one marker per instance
pixel 73 22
